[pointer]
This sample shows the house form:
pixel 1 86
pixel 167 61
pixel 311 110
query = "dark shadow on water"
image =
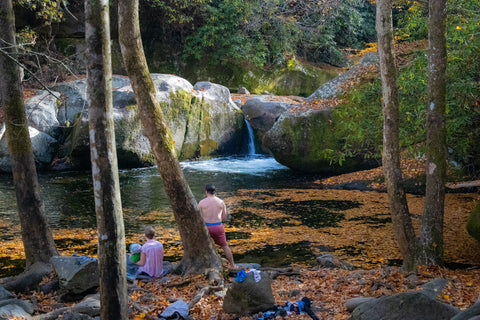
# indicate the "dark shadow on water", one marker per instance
pixel 311 213
pixel 374 221
pixel 11 267
pixel 238 235
pixel 244 218
pixel 278 256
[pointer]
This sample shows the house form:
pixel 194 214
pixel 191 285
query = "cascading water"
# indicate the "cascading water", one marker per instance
pixel 250 140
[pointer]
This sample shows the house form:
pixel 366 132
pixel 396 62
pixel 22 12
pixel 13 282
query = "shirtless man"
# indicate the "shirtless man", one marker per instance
pixel 214 212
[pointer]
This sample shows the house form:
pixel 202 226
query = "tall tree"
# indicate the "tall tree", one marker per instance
pixel 402 222
pixel 106 186
pixel 432 225
pixel 36 234
pixel 199 254
pixel 429 249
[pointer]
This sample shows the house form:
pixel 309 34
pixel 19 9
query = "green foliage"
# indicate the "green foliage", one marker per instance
pixel 358 122
pixel 265 32
pixel 358 117
pixel 178 11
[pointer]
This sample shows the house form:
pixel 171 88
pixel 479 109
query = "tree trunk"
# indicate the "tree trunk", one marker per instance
pixel 402 222
pixel 199 253
pixel 37 237
pixel 432 224
pixel 106 186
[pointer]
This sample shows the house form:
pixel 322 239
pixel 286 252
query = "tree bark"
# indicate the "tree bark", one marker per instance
pixel 401 219
pixel 106 186
pixel 432 225
pixel 36 234
pixel 199 253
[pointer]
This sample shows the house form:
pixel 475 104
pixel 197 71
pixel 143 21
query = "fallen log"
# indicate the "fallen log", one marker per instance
pixel 466 184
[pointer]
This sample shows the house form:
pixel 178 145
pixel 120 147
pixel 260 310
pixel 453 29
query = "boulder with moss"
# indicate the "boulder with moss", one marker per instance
pixel 215 124
pixel 306 140
pixel 203 120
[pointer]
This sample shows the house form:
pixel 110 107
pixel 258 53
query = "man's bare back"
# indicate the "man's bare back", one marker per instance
pixel 213 209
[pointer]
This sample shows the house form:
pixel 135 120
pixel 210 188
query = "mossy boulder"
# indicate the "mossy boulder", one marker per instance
pixel 473 223
pixel 215 124
pixel 203 120
pixel 305 140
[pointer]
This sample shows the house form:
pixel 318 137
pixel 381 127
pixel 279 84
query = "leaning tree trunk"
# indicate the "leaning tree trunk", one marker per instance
pixel 402 222
pixel 106 186
pixel 199 253
pixel 37 237
pixel 432 225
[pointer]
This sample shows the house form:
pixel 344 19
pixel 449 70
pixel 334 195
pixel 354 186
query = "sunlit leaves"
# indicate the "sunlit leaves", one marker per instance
pixel 47 10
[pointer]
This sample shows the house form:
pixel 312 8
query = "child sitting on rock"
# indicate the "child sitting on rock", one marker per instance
pixel 132 259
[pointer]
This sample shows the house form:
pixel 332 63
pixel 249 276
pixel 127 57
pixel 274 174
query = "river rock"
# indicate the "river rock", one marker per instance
pixel 27 306
pixel 5 294
pixel 44 146
pixel 262 112
pixel 89 305
pixel 42 110
pixel 75 316
pixel 13 311
pixel 249 297
pixel 332 262
pixel 473 223
pixel 472 313
pixel 405 305
pixel 355 302
pixel 434 288
pixel 76 274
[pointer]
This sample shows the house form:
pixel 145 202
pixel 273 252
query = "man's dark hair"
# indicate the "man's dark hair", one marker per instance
pixel 210 188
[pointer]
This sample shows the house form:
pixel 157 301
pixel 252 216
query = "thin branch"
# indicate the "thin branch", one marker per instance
pixel 31 73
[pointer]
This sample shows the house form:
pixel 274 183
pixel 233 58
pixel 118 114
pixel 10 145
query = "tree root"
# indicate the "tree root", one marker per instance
pixel 29 279
pixel 202 292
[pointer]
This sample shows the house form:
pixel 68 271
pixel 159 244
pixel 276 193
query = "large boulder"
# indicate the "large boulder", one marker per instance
pixel 13 311
pixel 42 111
pixel 77 275
pixel 203 120
pixel 262 112
pixel 405 305
pixel 332 88
pixel 472 313
pixel 473 223
pixel 303 140
pixel 249 295
pixel 215 123
pixel 44 147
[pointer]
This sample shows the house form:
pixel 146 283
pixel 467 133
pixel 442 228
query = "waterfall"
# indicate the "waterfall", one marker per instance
pixel 250 140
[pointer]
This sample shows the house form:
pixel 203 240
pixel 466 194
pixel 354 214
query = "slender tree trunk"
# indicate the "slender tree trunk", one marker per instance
pixel 432 225
pixel 106 186
pixel 402 222
pixel 199 253
pixel 37 237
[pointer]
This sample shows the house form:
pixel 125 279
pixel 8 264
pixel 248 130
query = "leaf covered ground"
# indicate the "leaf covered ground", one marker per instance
pixel 291 227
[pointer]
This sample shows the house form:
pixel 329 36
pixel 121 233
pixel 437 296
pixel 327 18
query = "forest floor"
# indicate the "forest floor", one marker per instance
pixel 359 231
